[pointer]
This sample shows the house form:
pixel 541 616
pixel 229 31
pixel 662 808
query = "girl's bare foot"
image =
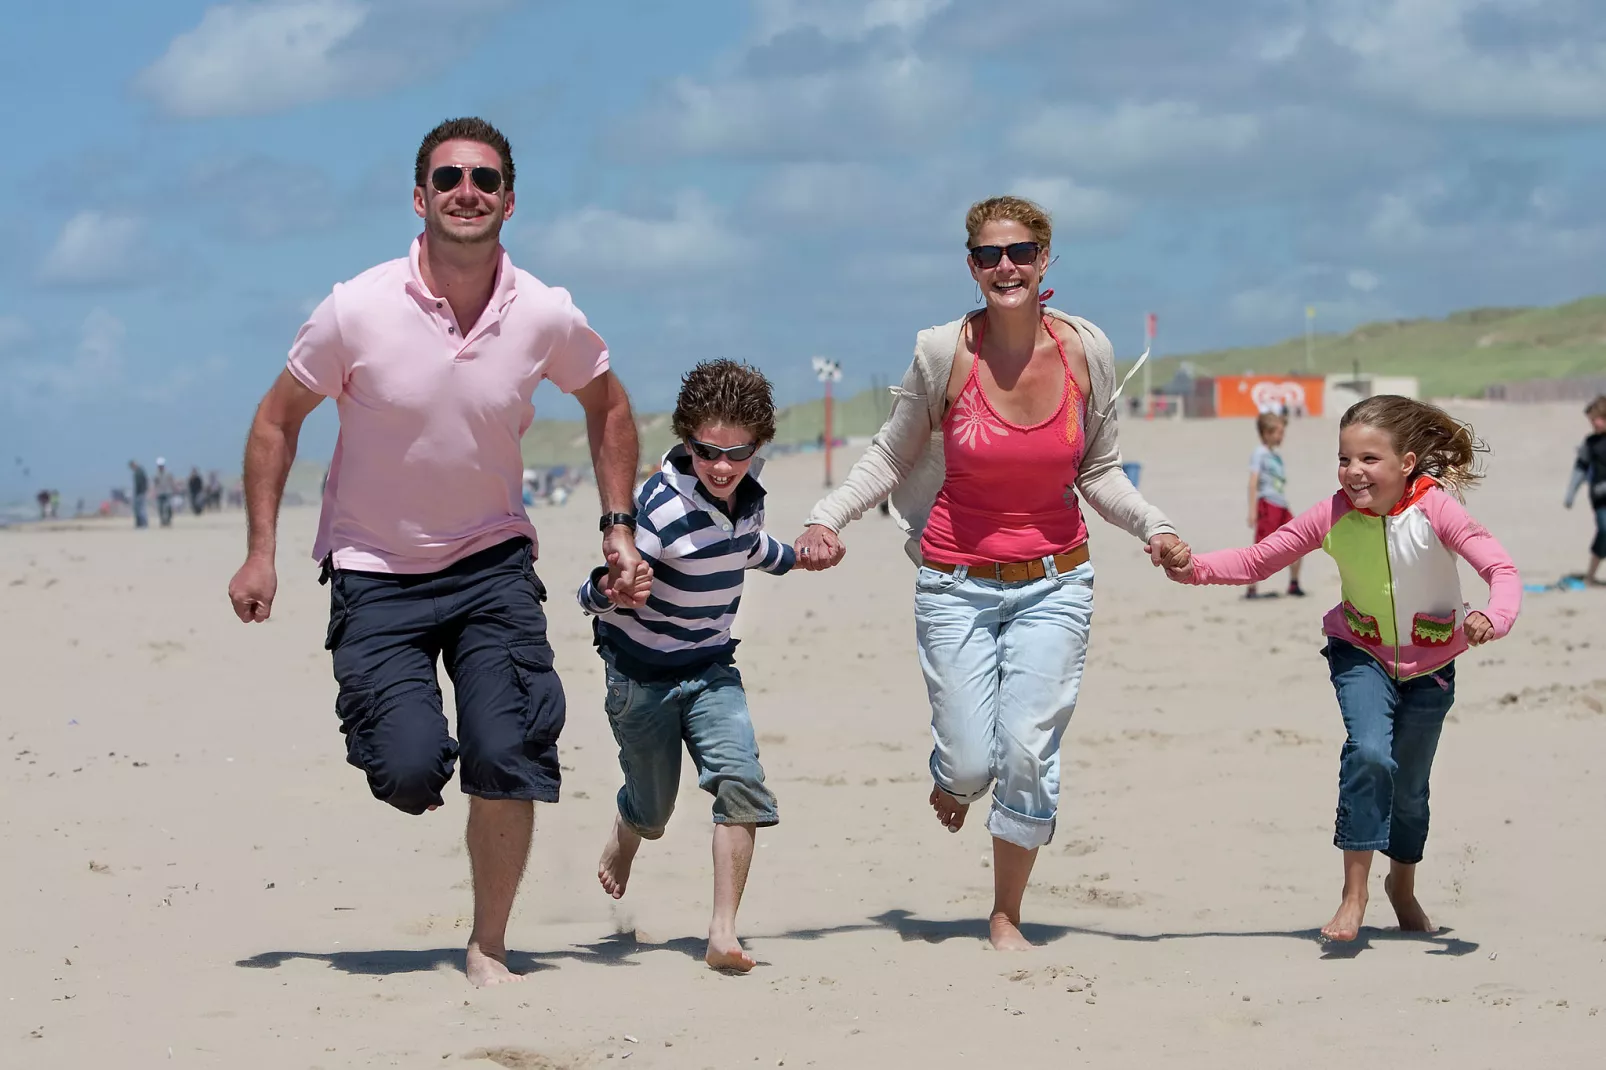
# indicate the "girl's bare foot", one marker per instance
pixel 1346 924
pixel 950 811
pixel 1006 935
pixel 613 871
pixel 725 953
pixel 488 966
pixel 1413 919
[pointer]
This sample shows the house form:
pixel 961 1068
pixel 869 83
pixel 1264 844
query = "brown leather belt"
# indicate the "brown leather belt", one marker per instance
pixel 1017 571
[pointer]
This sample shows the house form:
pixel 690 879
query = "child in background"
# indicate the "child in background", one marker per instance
pixel 1395 531
pixel 670 668
pixel 1268 499
pixel 1590 470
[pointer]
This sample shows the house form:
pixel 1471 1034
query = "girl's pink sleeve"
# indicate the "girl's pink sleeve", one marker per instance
pixel 1465 536
pixel 1276 552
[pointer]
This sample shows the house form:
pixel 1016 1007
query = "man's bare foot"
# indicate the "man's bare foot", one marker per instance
pixel 1346 924
pixel 1413 919
pixel 613 871
pixel 950 811
pixel 1006 935
pixel 725 953
pixel 486 967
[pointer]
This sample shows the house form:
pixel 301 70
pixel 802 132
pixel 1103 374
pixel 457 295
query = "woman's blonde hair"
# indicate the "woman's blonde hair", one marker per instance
pixel 1445 448
pixel 1015 210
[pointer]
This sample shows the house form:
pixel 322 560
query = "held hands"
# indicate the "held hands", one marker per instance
pixel 818 548
pixel 1478 628
pixel 252 589
pixel 1173 555
pixel 629 578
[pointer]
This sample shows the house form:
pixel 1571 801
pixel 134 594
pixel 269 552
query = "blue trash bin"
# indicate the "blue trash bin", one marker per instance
pixel 1133 470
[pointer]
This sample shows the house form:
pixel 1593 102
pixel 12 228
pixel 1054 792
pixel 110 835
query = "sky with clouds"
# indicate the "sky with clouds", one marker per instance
pixel 762 179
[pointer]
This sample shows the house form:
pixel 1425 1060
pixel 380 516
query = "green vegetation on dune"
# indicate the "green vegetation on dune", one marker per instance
pixel 1457 356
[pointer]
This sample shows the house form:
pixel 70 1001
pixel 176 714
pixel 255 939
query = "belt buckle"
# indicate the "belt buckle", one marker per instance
pixel 998 571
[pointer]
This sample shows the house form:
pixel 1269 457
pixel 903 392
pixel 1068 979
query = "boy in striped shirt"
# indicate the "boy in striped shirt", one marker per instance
pixel 669 664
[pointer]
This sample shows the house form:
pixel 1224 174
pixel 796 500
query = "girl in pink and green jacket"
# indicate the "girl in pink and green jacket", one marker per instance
pixel 1396 529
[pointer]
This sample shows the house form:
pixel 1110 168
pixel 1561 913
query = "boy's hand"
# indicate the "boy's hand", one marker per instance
pixel 1478 628
pixel 1168 552
pixel 629 592
pixel 818 548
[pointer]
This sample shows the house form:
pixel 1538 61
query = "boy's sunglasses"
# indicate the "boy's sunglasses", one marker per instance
pixel 713 453
pixel 1020 253
pixel 449 176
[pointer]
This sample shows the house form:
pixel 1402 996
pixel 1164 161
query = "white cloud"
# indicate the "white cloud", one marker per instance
pixel 254 58
pixel 95 364
pixel 1420 52
pixel 95 248
pixel 605 241
pixel 1340 298
pixel 14 331
pixel 840 114
pixel 847 20
pixel 1134 135
pixel 1363 280
pixel 1420 219
pixel 1077 209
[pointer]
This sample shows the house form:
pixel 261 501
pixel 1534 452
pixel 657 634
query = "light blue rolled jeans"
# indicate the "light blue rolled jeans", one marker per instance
pixel 1003 665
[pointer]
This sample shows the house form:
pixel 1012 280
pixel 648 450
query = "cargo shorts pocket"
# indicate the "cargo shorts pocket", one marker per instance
pixel 542 690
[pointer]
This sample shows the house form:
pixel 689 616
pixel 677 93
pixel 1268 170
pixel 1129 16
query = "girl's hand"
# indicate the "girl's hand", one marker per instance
pixel 1180 575
pixel 1478 629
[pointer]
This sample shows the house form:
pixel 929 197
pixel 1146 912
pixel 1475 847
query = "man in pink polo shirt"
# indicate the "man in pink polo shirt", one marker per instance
pixel 432 360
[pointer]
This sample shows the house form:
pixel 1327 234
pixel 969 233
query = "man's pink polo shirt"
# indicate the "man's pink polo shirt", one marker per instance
pixel 427 468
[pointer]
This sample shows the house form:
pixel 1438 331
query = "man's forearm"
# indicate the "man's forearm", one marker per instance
pixel 615 452
pixel 269 452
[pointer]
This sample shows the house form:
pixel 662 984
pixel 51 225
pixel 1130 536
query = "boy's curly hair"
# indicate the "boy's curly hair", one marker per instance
pixel 727 392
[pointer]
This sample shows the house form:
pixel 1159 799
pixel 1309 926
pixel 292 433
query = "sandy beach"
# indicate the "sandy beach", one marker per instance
pixel 196 878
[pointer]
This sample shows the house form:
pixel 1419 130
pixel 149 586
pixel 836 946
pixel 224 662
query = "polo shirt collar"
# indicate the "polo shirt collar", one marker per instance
pixel 678 473
pixel 503 291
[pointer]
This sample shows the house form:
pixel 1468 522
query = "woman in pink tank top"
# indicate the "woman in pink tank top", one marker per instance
pixel 1004 595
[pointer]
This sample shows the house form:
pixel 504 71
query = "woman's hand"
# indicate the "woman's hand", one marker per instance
pixel 1169 552
pixel 1478 628
pixel 818 548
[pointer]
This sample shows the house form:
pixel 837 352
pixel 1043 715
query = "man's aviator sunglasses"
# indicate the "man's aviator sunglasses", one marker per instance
pixel 713 453
pixel 1020 253
pixel 449 176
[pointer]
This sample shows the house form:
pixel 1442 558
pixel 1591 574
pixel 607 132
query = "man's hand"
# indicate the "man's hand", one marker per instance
pixel 818 548
pixel 1169 552
pixel 1478 628
pixel 625 583
pixel 252 589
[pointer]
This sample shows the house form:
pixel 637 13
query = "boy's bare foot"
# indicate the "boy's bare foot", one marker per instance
pixel 1006 935
pixel 725 953
pixel 1413 919
pixel 950 811
pixel 613 870
pixel 487 966
pixel 1346 924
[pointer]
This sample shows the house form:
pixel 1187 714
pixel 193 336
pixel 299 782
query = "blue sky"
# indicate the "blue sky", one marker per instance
pixel 763 179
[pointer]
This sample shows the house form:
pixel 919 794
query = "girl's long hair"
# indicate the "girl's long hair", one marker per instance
pixel 1445 448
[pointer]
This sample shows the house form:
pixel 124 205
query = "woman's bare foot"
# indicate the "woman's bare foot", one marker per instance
pixel 725 953
pixel 950 811
pixel 486 967
pixel 1413 919
pixel 613 871
pixel 1006 935
pixel 1346 924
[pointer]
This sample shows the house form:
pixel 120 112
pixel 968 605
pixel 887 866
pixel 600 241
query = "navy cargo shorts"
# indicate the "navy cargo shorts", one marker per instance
pixel 483 615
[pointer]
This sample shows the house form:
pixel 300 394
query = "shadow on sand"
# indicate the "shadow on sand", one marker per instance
pixel 622 948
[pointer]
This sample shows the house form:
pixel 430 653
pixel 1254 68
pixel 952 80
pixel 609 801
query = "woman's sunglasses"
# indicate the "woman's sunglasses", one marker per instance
pixel 713 453
pixel 1020 253
pixel 450 176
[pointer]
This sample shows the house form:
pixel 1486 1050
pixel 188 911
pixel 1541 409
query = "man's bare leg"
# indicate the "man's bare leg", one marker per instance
pixel 733 856
pixel 498 846
pixel 1400 885
pixel 1012 868
pixel 1346 924
pixel 613 869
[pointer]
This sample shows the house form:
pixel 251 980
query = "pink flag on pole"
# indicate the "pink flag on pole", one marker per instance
pixel 1153 326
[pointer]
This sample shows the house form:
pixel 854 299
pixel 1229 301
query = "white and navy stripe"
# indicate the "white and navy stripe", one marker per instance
pixel 699 554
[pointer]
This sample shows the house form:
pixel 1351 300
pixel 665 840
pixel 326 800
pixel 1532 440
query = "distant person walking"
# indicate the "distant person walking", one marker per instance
pixel 166 488
pixel 141 498
pixel 197 489
pixel 424 541
pixel 1590 471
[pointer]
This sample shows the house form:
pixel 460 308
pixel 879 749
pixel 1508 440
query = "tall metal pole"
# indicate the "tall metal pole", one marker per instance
pixel 828 432
pixel 1151 326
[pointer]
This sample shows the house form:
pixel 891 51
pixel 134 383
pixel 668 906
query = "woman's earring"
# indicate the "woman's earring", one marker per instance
pixel 978 293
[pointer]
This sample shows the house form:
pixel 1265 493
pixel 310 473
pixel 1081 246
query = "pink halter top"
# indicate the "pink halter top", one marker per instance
pixel 1010 491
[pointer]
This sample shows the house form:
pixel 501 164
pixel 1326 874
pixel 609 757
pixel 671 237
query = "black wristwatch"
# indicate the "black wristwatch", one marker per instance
pixel 611 520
